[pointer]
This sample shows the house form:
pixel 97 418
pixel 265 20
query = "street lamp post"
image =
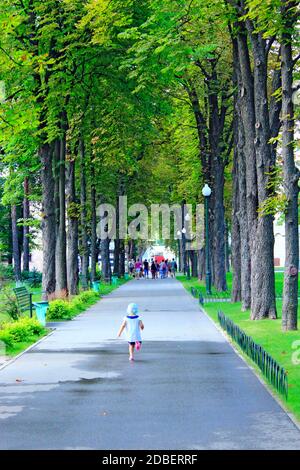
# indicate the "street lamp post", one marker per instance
pixel 206 191
pixel 182 233
pixel 187 219
pixel 185 258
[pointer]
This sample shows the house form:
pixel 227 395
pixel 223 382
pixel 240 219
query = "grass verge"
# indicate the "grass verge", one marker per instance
pixel 19 335
pixel 284 347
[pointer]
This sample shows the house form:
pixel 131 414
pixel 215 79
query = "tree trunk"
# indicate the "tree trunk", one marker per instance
pixel 117 241
pixel 216 202
pixel 122 259
pixel 255 116
pixel 83 229
pixel 275 108
pixel 235 231
pixel 227 248
pixel 201 264
pixel 94 249
pixel 56 170
pixel 194 262
pixel 10 245
pixel 20 233
pixel 15 240
pixel 72 211
pixel 105 259
pixel 240 184
pixel 291 177
pixel 179 255
pixel 218 229
pixel 263 304
pixel 201 131
pixel 116 256
pixel 48 222
pixel 184 254
pixel 247 166
pixel 26 215
pixel 131 249
pixel 61 242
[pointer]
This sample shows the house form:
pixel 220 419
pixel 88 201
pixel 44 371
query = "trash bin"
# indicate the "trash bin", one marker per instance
pixel 41 311
pixel 127 276
pixel 96 286
pixel 114 279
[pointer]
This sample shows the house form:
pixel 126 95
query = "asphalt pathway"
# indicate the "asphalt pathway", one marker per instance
pixel 186 390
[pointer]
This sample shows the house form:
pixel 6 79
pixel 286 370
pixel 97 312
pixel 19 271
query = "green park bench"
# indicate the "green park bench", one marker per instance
pixel 24 300
pixel 25 304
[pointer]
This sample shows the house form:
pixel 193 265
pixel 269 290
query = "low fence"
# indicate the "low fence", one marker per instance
pixel 215 297
pixel 224 296
pixel 273 372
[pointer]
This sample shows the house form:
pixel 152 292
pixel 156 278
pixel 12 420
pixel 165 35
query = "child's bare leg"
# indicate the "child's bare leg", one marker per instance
pixel 131 351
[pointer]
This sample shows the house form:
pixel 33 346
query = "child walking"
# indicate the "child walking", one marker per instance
pixel 133 324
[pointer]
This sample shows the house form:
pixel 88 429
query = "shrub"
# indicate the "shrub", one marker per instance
pixel 9 304
pixel 88 296
pixel 59 310
pixel 6 338
pixel 6 272
pixel 65 310
pixel 98 276
pixel 34 277
pixel 21 331
pixel 77 305
pixel 32 325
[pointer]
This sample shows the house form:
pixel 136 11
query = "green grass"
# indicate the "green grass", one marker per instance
pixel 17 348
pixel 267 333
pixel 279 279
pixel 106 289
pixel 18 335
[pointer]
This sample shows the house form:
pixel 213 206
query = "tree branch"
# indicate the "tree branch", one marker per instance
pixel 205 73
pixel 229 148
pixel 295 60
pixel 11 58
pixel 269 43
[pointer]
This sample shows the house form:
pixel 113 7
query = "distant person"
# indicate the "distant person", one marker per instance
pixel 165 270
pixel 131 266
pixel 137 268
pixel 133 325
pixel 141 272
pixel 157 269
pixel 173 268
pixel 169 269
pixel 146 269
pixel 153 270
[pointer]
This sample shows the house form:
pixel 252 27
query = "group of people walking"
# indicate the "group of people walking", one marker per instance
pixel 142 269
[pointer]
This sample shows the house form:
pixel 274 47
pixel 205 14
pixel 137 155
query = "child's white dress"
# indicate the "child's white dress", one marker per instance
pixel 133 332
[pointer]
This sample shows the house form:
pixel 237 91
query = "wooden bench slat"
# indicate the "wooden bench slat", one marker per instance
pixel 24 299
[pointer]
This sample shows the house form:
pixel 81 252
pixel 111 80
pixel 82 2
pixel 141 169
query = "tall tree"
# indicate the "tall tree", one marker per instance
pixel 84 247
pixel 15 243
pixel 290 171
pixel 72 234
pixel 26 215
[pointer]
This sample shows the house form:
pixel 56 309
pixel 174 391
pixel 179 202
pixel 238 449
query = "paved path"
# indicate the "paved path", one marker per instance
pixel 187 389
